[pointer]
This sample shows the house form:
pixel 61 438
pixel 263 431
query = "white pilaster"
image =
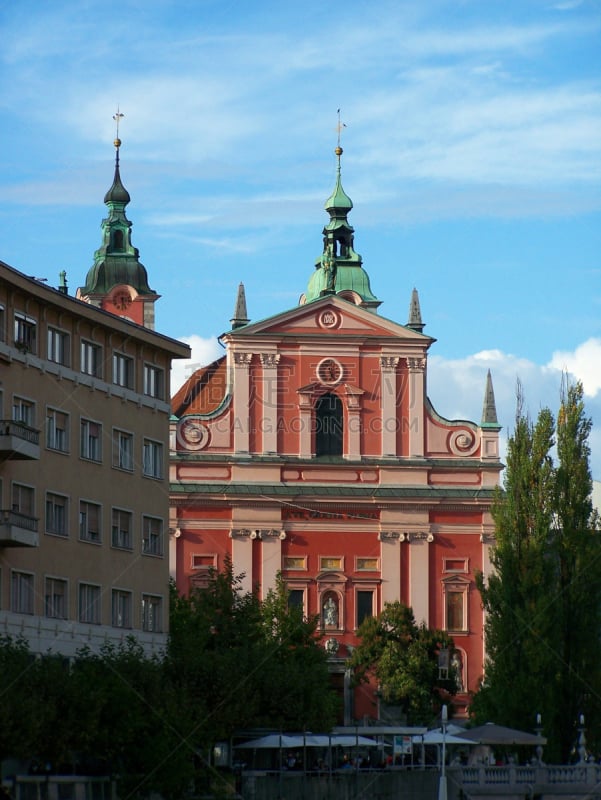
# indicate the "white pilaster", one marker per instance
pixel 417 368
pixel 269 402
pixel 389 421
pixel 390 565
pixel 241 420
pixel 419 582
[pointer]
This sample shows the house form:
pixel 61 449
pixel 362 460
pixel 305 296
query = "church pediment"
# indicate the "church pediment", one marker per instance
pixel 329 315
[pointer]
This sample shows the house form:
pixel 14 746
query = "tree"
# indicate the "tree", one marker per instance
pixel 296 692
pixel 402 658
pixel 543 598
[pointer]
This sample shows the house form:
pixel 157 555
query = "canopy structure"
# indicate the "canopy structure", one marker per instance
pixel 438 737
pixel 277 740
pixel 499 735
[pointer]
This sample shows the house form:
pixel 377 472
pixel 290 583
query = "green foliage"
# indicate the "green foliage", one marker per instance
pixel 245 663
pixel 295 691
pixel 232 662
pixel 543 600
pixel 402 658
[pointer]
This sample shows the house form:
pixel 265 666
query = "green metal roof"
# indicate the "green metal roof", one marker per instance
pixel 333 491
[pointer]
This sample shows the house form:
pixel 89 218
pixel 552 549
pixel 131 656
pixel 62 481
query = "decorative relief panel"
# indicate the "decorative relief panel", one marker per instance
pixel 329 371
pixel 192 434
pixel 463 442
pixel 329 319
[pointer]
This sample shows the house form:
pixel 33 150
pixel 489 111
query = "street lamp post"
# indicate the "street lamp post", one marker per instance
pixel 442 782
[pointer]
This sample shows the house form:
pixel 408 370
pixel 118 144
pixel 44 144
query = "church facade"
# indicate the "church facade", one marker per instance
pixel 311 450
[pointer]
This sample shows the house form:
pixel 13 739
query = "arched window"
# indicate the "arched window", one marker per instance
pixel 118 240
pixel 328 426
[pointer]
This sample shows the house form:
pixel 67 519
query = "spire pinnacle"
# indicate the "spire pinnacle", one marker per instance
pixel 240 317
pixel 489 408
pixel 339 269
pixel 415 314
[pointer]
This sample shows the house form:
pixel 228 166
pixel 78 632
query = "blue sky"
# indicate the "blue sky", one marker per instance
pixel 472 153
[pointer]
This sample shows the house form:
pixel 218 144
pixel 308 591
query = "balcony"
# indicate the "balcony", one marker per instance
pixel 18 441
pixel 18 530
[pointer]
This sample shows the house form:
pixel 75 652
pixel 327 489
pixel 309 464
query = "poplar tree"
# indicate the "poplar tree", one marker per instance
pixel 543 597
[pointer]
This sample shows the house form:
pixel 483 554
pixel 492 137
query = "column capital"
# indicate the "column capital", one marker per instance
pixel 269 360
pixel 389 363
pixel 416 364
pixel 242 359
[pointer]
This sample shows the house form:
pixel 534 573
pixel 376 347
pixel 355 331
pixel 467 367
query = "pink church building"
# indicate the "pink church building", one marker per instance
pixel 311 450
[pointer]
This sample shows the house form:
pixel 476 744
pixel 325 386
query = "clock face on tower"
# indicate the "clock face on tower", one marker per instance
pixel 329 371
pixel 122 300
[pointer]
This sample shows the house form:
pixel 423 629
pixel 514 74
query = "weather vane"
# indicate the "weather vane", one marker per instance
pixel 339 127
pixel 118 116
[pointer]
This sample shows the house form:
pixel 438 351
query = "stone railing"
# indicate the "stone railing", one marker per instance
pixel 9 427
pixel 543 779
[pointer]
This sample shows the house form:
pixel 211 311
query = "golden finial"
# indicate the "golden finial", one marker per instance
pixel 339 128
pixel 118 116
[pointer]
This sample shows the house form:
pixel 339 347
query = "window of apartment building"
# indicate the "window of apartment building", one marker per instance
pixel 154 381
pixel 59 347
pixel 123 450
pixel 57 510
pixel 91 440
pixel 24 411
pixel 21 592
pixel 121 609
pixel 23 499
pixel 57 430
pixel 152 536
pixel 89 521
pixel 55 598
pixel 90 359
pixel 25 333
pixel 89 603
pixel 2 324
pixel 123 370
pixel 152 613
pixel 152 459
pixel 122 529
pixel 365 605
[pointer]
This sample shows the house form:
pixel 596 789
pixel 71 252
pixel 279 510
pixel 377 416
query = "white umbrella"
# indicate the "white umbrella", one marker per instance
pixel 437 737
pixel 273 740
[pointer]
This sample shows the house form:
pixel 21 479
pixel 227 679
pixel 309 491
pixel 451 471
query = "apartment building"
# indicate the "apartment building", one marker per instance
pixel 84 408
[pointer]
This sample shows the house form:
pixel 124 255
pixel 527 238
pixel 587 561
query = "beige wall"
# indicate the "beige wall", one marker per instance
pixel 64 388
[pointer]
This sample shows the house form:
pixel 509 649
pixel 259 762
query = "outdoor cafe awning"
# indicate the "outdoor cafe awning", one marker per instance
pixel 291 742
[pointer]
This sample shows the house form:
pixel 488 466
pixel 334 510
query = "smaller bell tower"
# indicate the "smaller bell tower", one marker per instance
pixel 118 281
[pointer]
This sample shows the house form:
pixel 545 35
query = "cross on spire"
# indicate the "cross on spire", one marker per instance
pixel 339 127
pixel 117 116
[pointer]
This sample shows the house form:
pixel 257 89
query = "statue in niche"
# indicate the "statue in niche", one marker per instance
pixel 458 667
pixel 330 612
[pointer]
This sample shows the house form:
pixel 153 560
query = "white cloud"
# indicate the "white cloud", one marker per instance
pixel 204 351
pixel 584 363
pixel 456 387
